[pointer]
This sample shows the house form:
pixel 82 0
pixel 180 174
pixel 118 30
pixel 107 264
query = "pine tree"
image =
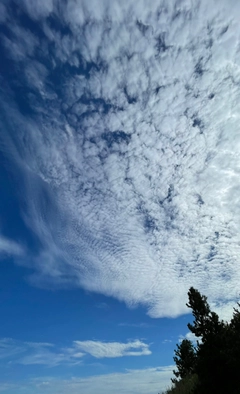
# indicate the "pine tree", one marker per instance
pixel 213 365
pixel 185 358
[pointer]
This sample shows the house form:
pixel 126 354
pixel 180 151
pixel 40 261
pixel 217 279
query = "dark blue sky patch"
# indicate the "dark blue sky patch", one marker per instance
pixel 116 137
pixel 161 46
pixel 58 25
pixel 199 69
pixel 212 253
pixel 12 224
pixel 130 99
pixel 142 27
pixel 197 122
pixel 211 96
pixel 200 200
pixel 149 223
pixel 224 30
pixel 21 18
pixel 169 196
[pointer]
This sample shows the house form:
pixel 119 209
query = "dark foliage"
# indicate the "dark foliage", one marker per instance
pixel 185 359
pixel 213 366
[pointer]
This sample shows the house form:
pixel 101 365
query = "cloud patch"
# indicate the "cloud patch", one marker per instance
pixel 32 353
pixel 9 247
pixel 128 142
pixel 47 354
pixel 142 381
pixel 99 349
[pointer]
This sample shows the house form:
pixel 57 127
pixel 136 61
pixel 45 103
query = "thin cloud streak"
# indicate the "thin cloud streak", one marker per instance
pixel 9 247
pixel 31 353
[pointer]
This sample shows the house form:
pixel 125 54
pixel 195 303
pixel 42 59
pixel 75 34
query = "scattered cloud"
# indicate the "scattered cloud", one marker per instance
pixel 31 353
pixel 113 349
pixel 136 151
pixel 142 381
pixel 167 341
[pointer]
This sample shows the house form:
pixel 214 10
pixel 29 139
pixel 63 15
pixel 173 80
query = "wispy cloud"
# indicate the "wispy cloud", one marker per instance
pixel 129 129
pixel 113 349
pixel 167 341
pixel 31 353
pixel 143 381
pixel 9 247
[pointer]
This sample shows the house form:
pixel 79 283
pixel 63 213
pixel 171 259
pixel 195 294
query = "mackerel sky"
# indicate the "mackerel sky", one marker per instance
pixel 120 185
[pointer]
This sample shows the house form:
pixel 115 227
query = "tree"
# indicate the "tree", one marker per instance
pixel 215 360
pixel 185 359
pixel 213 365
pixel 205 320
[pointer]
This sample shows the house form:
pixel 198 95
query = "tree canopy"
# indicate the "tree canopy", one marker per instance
pixel 212 366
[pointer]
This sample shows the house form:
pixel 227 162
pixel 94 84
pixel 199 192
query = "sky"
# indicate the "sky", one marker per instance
pixel 119 176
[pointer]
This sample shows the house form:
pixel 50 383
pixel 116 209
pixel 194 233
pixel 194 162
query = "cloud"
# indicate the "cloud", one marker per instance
pixel 113 349
pixel 48 354
pixel 142 381
pixel 167 341
pixel 190 336
pixel 31 353
pixel 38 9
pixel 3 13
pixel 128 141
pixel 9 247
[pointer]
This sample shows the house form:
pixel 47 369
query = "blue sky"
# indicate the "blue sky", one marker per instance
pixel 119 174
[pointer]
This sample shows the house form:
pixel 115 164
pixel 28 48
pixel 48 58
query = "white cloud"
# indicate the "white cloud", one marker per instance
pixel 9 247
pixel 48 354
pixel 113 349
pixel 139 161
pixel 38 9
pixel 143 381
pixel 32 353
pixel 190 336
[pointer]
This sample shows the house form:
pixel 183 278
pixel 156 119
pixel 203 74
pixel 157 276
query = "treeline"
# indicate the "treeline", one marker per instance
pixel 213 364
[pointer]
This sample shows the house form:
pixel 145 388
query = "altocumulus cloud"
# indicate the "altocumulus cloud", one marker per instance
pixel 128 145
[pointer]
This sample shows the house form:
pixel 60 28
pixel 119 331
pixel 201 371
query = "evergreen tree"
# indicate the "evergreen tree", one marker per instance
pixel 216 347
pixel 213 366
pixel 185 358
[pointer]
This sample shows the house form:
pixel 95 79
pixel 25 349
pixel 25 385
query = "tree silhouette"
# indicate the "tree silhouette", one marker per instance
pixel 185 359
pixel 213 365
